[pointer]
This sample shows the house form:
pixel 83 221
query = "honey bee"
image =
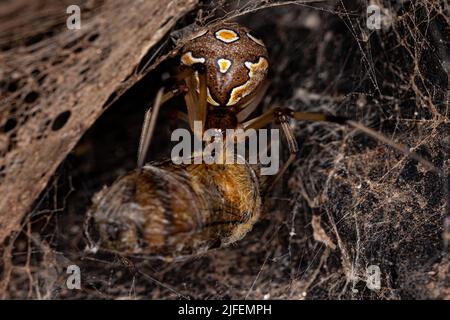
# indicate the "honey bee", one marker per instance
pixel 170 210
pixel 177 210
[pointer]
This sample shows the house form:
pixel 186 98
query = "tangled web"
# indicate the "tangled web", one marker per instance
pixel 349 204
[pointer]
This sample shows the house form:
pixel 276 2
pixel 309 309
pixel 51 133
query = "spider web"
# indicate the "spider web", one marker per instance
pixel 348 202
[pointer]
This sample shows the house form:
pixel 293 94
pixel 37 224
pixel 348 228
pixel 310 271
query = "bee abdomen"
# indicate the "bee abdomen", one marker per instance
pixel 174 210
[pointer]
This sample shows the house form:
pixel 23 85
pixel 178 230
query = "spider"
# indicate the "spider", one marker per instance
pixel 223 75
pixel 177 210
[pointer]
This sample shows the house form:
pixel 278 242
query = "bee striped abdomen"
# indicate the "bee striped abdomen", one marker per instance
pixel 173 210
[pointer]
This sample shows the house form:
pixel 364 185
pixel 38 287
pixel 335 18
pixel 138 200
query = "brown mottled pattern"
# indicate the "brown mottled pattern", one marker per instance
pixel 173 210
pixel 238 52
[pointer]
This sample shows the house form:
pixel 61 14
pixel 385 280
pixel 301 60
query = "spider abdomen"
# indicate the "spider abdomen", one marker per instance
pixel 236 62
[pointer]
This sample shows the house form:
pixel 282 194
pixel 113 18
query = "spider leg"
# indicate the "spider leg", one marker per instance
pixel 191 100
pixel 202 97
pixel 196 102
pixel 148 127
pixel 150 121
pixel 253 104
pixel 283 120
pixel 270 115
pixel 281 115
pixel 177 115
pixel 196 105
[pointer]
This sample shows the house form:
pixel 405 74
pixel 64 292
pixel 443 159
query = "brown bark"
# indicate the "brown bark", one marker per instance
pixel 59 80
